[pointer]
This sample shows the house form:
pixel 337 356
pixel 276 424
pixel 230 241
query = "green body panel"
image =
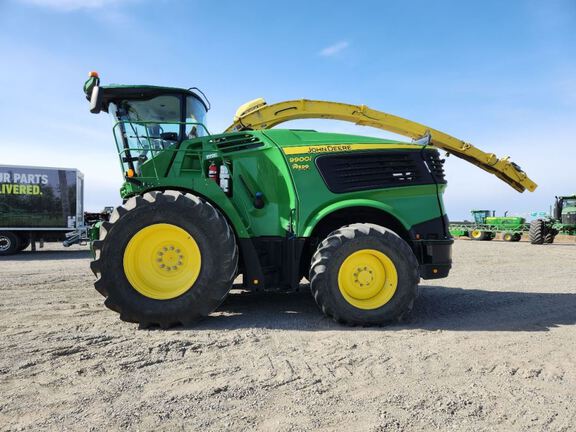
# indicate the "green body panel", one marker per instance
pixel 567 222
pixel 511 223
pixel 458 232
pixel 295 198
pixel 567 213
pixel 410 205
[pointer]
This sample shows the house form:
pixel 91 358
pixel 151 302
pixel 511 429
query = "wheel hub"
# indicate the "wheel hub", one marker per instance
pixel 169 258
pixel 4 244
pixel 367 279
pixel 162 261
pixel 363 276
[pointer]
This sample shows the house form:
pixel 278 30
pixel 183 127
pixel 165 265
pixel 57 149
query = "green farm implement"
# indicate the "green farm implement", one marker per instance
pixel 562 221
pixel 486 225
pixel 361 218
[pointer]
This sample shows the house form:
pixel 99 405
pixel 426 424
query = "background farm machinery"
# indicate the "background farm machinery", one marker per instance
pixel 562 221
pixel 486 225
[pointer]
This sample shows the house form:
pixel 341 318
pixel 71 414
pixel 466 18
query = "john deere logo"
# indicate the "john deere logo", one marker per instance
pixel 329 148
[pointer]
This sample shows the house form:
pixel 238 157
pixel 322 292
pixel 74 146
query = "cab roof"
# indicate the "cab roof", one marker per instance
pixel 114 92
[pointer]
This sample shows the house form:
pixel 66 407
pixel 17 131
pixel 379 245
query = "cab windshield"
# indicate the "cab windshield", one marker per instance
pixel 569 203
pixel 144 127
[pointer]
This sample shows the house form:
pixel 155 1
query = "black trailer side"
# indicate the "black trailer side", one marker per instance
pixel 38 204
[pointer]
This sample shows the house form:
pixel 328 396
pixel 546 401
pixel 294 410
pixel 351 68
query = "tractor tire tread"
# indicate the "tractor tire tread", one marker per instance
pixel 321 263
pixel 220 283
pixel 537 232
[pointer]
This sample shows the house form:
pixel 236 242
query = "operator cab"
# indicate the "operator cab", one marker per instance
pixel 568 202
pixel 149 119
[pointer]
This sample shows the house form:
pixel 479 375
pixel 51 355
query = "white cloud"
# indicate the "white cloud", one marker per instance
pixel 71 5
pixel 334 49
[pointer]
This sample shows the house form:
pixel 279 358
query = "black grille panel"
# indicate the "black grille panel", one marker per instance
pixel 376 170
pixel 435 165
pixel 238 142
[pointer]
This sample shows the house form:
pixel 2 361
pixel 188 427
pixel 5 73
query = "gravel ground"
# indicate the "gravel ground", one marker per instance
pixel 493 347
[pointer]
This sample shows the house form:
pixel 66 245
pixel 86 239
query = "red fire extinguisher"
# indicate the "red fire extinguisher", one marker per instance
pixel 213 172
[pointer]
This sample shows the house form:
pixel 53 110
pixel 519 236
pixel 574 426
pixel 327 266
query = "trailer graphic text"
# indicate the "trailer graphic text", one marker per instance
pixel 23 178
pixel 19 189
pixel 18 183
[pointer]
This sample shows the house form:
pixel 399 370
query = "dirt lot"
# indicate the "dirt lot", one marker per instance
pixel 493 347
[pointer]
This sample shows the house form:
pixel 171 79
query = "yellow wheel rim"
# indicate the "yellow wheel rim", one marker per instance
pixel 507 237
pixel 162 261
pixel 367 279
pixel 476 234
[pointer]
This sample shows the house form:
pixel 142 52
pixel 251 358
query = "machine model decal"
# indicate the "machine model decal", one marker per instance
pixel 334 148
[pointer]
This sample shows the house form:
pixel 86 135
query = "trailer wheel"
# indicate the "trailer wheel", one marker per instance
pixel 516 237
pixel 364 274
pixel 508 237
pixel 165 258
pixel 9 243
pixel 480 235
pixel 537 231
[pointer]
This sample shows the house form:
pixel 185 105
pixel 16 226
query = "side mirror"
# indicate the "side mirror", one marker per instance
pixel 95 100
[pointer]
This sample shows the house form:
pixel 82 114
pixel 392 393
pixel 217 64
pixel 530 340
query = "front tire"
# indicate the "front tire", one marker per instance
pixel 165 258
pixel 364 274
pixel 537 231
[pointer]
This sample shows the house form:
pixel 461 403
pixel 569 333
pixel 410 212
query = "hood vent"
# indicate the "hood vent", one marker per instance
pixel 236 142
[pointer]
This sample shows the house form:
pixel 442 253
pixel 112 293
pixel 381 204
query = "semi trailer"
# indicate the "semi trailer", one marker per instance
pixel 38 204
pixel 42 204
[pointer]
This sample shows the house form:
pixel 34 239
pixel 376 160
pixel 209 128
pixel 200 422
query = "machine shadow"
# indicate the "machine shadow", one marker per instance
pixel 437 308
pixel 43 255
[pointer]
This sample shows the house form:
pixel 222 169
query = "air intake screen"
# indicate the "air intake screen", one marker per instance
pixel 238 142
pixel 435 165
pixel 376 170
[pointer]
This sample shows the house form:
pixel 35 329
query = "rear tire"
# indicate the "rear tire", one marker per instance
pixel 364 274
pixel 165 258
pixel 9 243
pixel 549 237
pixel 537 231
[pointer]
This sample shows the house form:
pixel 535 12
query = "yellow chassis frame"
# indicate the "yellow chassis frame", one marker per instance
pixel 257 114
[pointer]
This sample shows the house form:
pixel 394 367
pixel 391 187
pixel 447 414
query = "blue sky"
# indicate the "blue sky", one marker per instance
pixel 501 75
